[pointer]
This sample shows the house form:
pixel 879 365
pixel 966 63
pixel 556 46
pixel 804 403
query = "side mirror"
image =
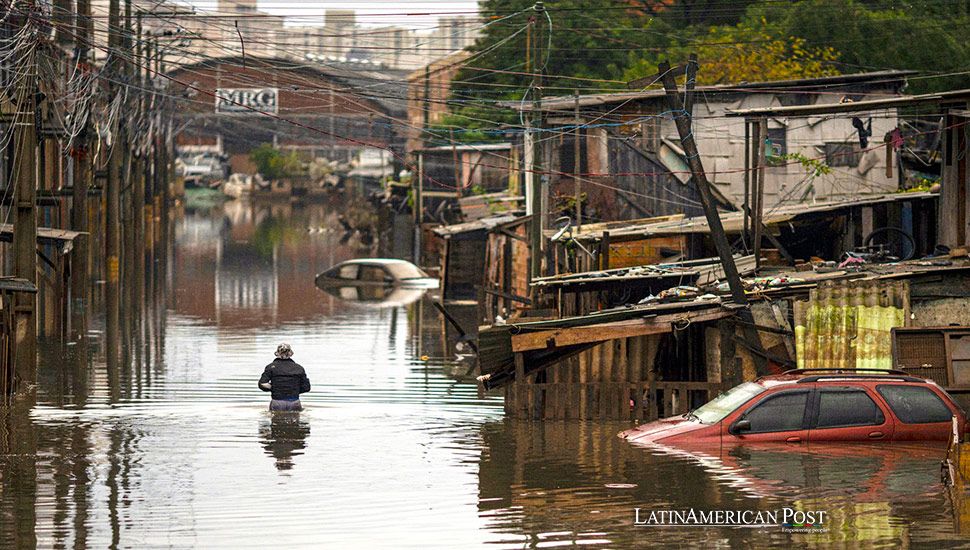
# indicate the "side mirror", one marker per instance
pixel 739 426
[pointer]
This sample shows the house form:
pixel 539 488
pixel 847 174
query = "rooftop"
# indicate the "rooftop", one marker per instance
pixel 890 78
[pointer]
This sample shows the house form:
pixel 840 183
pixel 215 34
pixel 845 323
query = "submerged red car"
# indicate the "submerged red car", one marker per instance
pixel 815 405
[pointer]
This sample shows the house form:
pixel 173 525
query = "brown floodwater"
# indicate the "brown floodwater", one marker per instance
pixel 396 448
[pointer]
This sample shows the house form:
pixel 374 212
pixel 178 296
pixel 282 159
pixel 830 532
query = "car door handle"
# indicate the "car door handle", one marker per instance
pixel 875 435
pixel 793 439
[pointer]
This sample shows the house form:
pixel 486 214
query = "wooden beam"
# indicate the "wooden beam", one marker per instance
pixel 454 323
pixel 757 350
pixel 608 331
pixel 512 235
pixel 508 296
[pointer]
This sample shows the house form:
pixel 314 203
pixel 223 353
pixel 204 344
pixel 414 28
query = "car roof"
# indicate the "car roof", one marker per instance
pixel 803 376
pixel 380 261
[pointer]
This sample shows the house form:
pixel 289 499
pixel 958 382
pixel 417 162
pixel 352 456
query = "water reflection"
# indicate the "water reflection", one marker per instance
pixel 376 296
pixel 284 436
pixel 576 483
pixel 174 449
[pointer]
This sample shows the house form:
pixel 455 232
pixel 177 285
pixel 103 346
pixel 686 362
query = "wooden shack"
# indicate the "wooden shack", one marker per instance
pixel 463 256
pixel 506 284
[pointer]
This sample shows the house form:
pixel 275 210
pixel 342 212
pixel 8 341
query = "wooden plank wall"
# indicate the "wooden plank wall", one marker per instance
pixel 612 381
pixel 506 270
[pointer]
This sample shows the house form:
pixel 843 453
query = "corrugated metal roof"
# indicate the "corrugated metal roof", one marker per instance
pixel 733 222
pixel 954 96
pixel 17 285
pixel 699 272
pixel 446 231
pixel 45 235
pixel 569 102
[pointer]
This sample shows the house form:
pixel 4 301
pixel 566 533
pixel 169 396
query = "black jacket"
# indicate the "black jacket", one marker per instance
pixel 285 378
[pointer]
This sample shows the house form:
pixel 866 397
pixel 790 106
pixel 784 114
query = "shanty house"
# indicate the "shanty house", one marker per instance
pixel 632 164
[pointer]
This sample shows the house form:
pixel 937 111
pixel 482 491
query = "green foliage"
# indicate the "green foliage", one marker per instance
pixel 271 164
pixel 597 46
pixel 269 233
pixel 925 35
pixel 815 167
pixel 686 13
pixel 584 43
pixel 751 51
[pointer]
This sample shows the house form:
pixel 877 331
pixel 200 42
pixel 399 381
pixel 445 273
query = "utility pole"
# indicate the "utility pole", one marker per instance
pixel 139 199
pixel 112 195
pixel 759 189
pixel 534 148
pixel 417 197
pixel 61 17
pixel 577 163
pixel 682 118
pixel 683 121
pixel 25 216
pixel 80 283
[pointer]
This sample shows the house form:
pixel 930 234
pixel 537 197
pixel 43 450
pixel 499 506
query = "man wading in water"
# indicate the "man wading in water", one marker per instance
pixel 286 379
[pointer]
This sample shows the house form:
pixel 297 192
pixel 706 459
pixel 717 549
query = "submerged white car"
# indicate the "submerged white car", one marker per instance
pixel 376 280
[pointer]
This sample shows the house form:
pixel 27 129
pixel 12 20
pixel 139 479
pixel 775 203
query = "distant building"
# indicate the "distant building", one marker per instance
pixel 237 27
pixel 429 89
pixel 323 102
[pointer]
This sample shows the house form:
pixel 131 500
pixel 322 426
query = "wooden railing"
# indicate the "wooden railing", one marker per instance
pixel 643 401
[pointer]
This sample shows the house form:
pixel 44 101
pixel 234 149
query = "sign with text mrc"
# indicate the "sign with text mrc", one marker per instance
pixel 246 100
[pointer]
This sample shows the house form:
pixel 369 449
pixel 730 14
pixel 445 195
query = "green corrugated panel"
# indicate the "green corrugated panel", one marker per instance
pixel 849 325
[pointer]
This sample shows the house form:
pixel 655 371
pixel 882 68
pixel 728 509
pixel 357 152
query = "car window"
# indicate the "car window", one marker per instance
pixel 915 404
pixel 779 412
pixel 726 403
pixel 347 272
pixel 406 271
pixel 838 408
pixel 372 273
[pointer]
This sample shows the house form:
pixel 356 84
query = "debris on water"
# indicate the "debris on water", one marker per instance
pixel 621 486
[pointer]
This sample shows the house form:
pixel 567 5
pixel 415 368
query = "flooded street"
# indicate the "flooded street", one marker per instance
pixel 396 447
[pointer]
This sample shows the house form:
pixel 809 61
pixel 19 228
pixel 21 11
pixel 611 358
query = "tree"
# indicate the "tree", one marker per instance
pixel 272 165
pixel 686 13
pixel 583 45
pixel 931 36
pixel 744 53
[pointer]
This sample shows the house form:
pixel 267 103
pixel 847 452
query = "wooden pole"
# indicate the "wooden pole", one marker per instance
pixel 25 220
pixel 417 199
pixel 759 190
pixel 80 279
pixel 126 256
pixel 577 162
pixel 746 209
pixel 456 166
pixel 535 236
pixel 79 256
pixel 700 180
pixel 112 241
pixel 710 210
pixel 138 210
